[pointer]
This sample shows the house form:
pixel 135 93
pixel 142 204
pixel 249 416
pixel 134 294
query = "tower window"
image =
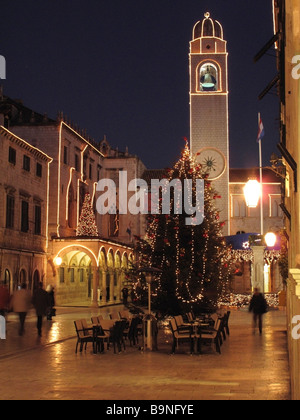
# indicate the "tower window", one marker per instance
pixel 26 163
pixel 208 78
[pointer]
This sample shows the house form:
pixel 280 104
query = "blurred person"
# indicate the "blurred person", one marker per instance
pixel 40 301
pixel 20 304
pixel 51 302
pixel 125 295
pixel 4 298
pixel 258 306
pixel 2 326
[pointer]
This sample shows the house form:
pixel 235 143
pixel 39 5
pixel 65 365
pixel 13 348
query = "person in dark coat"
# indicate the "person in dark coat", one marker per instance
pixel 40 301
pixel 51 302
pixel 258 306
pixel 125 295
pixel 4 298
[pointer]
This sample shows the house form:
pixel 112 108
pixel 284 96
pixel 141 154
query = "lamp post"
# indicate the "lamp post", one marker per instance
pixel 149 281
pixel 149 318
pixel 252 193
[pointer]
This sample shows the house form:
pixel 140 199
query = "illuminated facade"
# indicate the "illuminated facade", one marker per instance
pixel 89 270
pixel 287 42
pixel 24 203
pixel 209 132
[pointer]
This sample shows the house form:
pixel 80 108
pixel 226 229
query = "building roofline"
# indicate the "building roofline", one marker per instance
pixel 23 143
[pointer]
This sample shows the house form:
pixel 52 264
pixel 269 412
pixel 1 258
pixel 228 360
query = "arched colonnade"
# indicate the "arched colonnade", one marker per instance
pixel 88 271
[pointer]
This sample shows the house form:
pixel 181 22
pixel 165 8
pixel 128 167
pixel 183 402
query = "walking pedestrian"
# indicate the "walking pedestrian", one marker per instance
pixel 258 306
pixel 51 302
pixel 125 295
pixel 40 301
pixel 4 298
pixel 20 303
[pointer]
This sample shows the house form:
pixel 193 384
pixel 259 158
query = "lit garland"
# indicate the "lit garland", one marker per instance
pixel 239 255
pixel 243 300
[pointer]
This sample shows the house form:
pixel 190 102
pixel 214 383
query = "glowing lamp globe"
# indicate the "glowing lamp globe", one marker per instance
pixel 58 261
pixel 252 192
pixel 270 239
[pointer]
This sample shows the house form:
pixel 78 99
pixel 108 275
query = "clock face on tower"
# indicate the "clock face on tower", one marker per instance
pixel 213 162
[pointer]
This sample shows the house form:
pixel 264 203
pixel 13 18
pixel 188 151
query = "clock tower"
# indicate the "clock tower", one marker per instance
pixel 209 133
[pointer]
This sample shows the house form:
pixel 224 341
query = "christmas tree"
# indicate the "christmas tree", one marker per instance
pixel 87 222
pixel 194 258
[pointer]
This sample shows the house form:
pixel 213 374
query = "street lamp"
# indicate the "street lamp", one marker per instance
pixel 270 239
pixel 58 261
pixel 252 193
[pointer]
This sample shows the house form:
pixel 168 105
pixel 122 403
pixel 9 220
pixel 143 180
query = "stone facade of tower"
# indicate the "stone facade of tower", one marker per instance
pixel 209 107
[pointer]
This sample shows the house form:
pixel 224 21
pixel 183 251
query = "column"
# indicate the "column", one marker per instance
pixel 95 271
pixel 111 285
pixel 258 268
pixel 103 287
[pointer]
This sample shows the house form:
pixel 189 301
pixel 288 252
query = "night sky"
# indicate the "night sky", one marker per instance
pixel 120 68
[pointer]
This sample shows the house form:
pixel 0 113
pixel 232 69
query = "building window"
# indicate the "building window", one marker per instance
pixel 90 171
pixel 99 167
pixel 61 274
pixel 10 211
pixel 76 162
pixel 81 275
pixel 274 203
pixel 12 154
pixel 72 275
pixel 26 163
pixel 238 206
pixel 66 155
pixel 39 170
pixel 37 220
pixel 24 216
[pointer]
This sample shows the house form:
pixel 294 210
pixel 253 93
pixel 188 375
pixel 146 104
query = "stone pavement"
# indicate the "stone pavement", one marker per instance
pixel 250 367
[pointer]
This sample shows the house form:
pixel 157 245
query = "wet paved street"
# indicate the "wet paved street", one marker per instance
pixel 250 367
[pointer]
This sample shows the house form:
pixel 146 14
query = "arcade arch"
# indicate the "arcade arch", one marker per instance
pixel 86 277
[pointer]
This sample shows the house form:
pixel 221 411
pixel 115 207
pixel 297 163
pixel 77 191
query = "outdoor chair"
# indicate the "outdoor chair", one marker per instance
pixel 179 336
pixel 181 325
pixel 115 315
pixel 95 320
pixel 116 336
pixel 99 336
pixel 125 315
pixel 211 336
pixel 83 337
pixel 190 317
pixel 132 333
pixel 226 323
pixel 107 324
pixel 88 330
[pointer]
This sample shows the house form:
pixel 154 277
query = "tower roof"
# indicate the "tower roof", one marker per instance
pixel 208 27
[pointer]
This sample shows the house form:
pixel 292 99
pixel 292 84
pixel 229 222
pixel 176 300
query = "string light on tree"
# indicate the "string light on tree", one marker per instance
pixel 194 259
pixel 87 222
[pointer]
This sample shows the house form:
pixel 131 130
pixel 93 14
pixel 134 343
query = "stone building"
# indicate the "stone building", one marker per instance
pixel 287 42
pixel 87 270
pixel 24 211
